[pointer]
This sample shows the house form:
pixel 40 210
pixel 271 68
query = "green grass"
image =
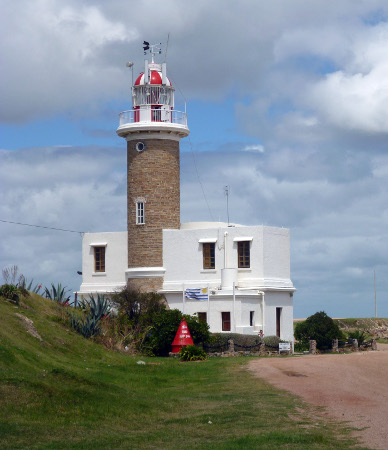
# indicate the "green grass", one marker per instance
pixel 69 392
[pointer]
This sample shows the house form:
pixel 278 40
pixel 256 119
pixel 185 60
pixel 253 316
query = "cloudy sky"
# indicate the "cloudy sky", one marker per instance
pixel 287 104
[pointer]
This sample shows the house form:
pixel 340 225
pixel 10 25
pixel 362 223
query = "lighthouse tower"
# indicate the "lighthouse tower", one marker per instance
pixel 153 130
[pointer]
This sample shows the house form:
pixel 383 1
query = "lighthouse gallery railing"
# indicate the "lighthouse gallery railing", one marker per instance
pixel 157 115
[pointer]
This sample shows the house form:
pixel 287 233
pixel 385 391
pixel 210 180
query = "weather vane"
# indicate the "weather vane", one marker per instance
pixel 154 49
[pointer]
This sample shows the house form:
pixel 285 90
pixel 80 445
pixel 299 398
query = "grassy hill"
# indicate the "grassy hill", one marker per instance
pixel 59 390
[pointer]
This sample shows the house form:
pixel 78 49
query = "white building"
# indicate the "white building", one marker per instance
pixel 237 278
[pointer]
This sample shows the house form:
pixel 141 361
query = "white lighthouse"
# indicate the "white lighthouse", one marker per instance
pixel 234 277
pixel 152 130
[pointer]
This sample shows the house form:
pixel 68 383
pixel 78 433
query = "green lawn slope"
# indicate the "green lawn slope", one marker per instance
pixel 68 392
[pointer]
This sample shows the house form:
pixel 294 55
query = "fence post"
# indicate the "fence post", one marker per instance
pixel 334 345
pixel 231 346
pixel 313 347
pixel 355 344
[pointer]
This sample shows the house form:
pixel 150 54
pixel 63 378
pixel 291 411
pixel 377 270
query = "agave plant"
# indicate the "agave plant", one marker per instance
pixel 58 294
pixel 100 307
pixel 87 328
pixel 29 286
pixel 95 310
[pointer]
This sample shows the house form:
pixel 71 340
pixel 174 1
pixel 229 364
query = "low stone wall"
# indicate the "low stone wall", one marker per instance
pixel 352 346
pixel 257 350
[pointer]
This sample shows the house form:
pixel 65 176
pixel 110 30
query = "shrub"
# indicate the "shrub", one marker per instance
pixel 137 307
pixel 10 292
pixel 219 341
pixel 272 342
pixel 319 327
pixel 359 335
pixel 301 347
pixel 192 353
pixel 164 328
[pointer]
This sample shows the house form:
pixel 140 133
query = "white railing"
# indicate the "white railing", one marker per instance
pixel 155 115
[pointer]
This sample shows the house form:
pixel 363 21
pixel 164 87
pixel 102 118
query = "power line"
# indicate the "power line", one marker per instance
pixel 41 226
pixel 194 157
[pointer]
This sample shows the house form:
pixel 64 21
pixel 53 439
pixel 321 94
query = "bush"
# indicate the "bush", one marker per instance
pixel 301 347
pixel 319 327
pixel 138 308
pixel 192 353
pixel 272 342
pixel 164 328
pixel 10 292
pixel 359 335
pixel 219 341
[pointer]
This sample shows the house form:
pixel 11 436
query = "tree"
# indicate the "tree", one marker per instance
pixel 319 327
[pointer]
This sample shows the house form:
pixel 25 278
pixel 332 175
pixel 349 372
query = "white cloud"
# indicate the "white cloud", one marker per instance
pixel 254 148
pixel 55 58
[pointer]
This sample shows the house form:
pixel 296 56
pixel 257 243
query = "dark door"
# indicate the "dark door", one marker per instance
pixel 225 321
pixel 278 317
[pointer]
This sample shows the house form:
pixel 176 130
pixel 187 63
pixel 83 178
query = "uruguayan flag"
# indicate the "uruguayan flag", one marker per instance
pixel 197 294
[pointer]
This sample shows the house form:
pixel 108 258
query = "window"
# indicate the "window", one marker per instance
pixel 251 318
pixel 225 321
pixel 140 213
pixel 99 259
pixel 208 255
pixel 202 317
pixel 244 254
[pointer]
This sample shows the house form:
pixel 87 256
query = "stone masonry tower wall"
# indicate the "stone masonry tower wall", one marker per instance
pixel 153 177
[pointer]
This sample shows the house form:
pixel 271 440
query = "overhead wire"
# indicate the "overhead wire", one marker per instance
pixel 194 158
pixel 42 226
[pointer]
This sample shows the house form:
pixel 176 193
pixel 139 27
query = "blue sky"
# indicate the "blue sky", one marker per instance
pixel 287 104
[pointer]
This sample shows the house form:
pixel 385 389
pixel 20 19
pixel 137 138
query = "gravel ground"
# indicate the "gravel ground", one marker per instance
pixel 352 387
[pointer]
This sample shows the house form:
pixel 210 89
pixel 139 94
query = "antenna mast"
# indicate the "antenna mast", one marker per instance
pixel 226 189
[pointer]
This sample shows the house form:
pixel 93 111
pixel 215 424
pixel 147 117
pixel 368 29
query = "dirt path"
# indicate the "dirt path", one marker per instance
pixel 352 387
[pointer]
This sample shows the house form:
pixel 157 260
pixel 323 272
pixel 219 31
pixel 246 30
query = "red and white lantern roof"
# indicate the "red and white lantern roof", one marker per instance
pixel 155 76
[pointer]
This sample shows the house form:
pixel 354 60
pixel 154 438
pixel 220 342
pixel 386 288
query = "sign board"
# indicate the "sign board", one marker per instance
pixel 284 347
pixel 182 337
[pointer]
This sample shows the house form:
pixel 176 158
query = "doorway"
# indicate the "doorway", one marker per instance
pixel 225 316
pixel 278 320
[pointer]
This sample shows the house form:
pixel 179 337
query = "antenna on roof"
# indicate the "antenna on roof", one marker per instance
pixel 226 189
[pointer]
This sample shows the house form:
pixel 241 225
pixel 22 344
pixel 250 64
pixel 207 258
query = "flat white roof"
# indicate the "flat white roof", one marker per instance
pixel 205 225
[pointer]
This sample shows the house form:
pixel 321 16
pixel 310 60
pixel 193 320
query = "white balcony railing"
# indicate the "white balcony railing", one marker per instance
pixel 153 115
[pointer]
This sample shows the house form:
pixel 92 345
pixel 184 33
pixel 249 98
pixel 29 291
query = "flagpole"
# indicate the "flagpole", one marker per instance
pixel 208 303
pixel 183 298
pixel 234 301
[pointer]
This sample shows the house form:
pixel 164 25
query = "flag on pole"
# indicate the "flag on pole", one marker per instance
pixel 200 294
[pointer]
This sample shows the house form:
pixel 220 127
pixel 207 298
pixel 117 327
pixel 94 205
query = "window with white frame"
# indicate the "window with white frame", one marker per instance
pixel 140 217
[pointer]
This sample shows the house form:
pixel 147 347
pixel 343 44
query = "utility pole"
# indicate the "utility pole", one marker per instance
pixel 375 296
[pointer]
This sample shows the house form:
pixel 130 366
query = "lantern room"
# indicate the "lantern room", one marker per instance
pixel 153 103
pixel 153 95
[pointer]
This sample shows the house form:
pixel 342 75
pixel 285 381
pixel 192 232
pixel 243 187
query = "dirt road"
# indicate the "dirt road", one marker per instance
pixel 352 387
